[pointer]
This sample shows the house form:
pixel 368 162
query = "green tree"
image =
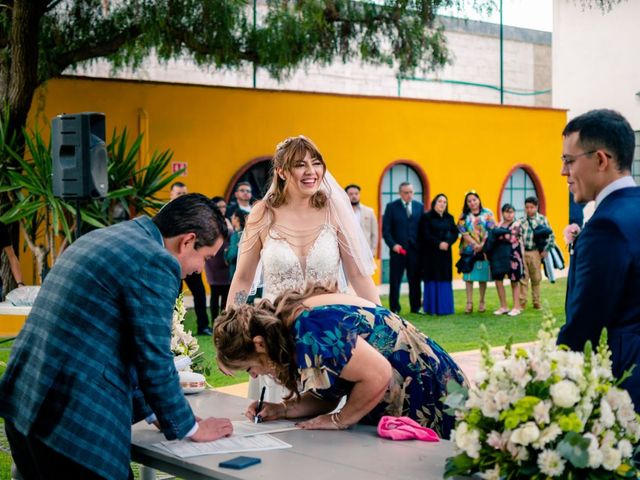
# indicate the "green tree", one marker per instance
pixel 39 39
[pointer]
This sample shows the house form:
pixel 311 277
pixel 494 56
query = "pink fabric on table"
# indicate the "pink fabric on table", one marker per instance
pixel 405 428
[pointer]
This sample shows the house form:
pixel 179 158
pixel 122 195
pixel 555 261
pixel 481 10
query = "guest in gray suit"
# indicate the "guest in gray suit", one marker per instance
pixel 94 354
pixel 365 215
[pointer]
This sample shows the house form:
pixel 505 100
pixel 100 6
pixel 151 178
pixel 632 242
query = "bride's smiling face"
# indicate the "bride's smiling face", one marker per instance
pixel 305 176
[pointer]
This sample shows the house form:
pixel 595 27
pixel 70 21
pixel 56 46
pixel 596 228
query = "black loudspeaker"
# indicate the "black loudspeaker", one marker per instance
pixel 79 156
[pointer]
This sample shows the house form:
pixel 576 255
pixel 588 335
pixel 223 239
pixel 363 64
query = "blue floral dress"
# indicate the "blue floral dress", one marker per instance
pixel 325 337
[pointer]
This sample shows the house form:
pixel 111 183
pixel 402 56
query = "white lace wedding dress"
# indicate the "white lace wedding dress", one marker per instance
pixel 282 269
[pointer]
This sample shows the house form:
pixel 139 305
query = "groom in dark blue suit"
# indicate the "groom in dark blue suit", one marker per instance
pixel 94 354
pixel 604 274
pixel 400 232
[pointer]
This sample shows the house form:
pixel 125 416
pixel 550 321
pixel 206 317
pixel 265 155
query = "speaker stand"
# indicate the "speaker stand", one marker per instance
pixel 78 219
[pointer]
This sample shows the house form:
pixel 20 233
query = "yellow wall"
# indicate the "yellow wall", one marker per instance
pixel 218 130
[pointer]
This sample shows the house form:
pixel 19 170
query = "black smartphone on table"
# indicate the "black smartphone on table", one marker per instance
pixel 238 463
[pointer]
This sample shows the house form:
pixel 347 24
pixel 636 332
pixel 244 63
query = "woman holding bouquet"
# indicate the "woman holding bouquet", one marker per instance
pixel 474 225
pixel 334 345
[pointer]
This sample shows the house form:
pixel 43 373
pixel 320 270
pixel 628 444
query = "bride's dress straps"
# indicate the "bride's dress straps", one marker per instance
pixel 248 275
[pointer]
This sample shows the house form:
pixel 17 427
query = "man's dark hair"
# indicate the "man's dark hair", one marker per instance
pixel 608 129
pixel 192 213
pixel 243 184
pixel 351 185
pixel 241 215
pixel 531 200
pixel 404 184
pixel 507 206
pixel 177 184
pixel 217 199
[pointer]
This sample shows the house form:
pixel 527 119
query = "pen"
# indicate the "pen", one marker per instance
pixel 258 418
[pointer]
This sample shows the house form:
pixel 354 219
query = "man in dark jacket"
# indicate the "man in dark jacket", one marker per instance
pixel 400 231
pixel 604 274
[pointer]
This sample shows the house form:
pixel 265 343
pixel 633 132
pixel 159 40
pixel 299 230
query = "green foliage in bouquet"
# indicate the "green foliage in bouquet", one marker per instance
pixel 544 412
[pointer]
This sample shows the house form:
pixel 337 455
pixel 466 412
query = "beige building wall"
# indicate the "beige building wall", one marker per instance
pixel 595 58
pixel 472 76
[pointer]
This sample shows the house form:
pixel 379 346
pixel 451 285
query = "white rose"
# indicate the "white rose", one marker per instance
pixel 565 393
pixel 524 435
pixel 468 440
pixel 611 458
pixel 551 463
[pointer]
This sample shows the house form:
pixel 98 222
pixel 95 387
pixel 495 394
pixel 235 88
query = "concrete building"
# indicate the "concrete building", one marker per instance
pixel 473 74
pixel 594 62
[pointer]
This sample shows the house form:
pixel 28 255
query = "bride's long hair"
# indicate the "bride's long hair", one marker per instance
pixel 287 154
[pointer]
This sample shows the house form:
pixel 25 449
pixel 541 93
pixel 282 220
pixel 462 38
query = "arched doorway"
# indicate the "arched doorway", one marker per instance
pixel 257 172
pixel 395 174
pixel 521 183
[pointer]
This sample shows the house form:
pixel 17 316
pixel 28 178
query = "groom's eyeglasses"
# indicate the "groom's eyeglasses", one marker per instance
pixel 568 160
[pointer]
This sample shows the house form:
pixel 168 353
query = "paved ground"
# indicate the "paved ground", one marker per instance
pixel 468 361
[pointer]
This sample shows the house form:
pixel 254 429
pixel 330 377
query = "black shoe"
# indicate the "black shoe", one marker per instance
pixel 205 331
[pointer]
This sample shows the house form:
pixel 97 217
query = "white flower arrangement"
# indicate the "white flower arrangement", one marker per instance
pixel 544 412
pixel 183 344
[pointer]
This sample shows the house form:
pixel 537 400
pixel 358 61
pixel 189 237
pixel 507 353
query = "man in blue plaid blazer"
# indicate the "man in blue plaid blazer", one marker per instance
pixel 94 354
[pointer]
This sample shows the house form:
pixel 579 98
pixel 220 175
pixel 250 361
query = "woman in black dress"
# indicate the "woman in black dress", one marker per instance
pixel 436 234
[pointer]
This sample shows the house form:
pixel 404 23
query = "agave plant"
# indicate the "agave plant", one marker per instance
pixel 48 222
pixel 133 189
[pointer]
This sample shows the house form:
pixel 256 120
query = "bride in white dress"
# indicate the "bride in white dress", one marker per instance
pixel 303 230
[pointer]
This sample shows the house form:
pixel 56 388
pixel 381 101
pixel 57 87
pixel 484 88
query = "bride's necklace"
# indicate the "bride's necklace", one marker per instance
pixel 298 237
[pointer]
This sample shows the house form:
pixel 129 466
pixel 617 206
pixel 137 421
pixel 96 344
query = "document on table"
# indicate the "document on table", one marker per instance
pixel 244 428
pixel 256 443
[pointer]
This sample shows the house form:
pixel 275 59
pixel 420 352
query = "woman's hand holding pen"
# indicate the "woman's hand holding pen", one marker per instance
pixel 269 412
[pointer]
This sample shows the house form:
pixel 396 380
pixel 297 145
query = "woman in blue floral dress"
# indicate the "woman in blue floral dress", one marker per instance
pixel 323 346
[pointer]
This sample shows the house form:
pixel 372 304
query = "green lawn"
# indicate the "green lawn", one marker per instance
pixel 458 332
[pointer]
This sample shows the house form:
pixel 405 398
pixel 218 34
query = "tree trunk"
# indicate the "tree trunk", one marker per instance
pixel 18 82
pixel 23 67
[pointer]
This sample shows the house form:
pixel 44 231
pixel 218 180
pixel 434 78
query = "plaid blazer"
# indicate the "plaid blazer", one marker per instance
pixel 100 325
